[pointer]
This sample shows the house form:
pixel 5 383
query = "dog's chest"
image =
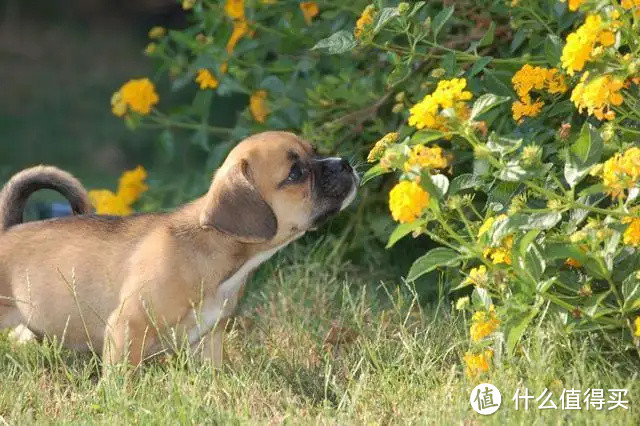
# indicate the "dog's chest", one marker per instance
pixel 221 303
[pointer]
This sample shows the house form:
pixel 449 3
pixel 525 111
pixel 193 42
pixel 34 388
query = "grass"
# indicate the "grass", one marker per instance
pixel 318 343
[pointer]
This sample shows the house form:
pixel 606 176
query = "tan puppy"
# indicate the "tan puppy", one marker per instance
pixel 130 286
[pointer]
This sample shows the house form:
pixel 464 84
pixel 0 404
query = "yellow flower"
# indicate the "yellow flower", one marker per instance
pixel 131 185
pixel 157 32
pixel 407 200
pixel 528 78
pixel 151 47
pixel 380 147
pixel 501 254
pixel 581 43
pixel 138 95
pixel 234 9
pixel 365 20
pixel 629 4
pixel 575 4
pixel 597 96
pixel 477 276
pixel 240 29
pixel 575 263
pixel 637 332
pixel 106 202
pixel 188 4
pixel 309 10
pixel 521 110
pixel 206 79
pixel 258 106
pixel 632 233
pixel 448 94
pixel 477 364
pixel 622 171
pixel 555 82
pixel 426 157
pixel 483 324
pixel 488 222
pixel 607 38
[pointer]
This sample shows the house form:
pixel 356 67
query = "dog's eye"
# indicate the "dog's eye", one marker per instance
pixel 296 173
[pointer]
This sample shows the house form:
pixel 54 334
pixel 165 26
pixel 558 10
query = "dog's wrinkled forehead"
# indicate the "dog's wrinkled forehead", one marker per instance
pixel 271 151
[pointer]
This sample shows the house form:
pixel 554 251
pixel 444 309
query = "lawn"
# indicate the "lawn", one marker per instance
pixel 319 343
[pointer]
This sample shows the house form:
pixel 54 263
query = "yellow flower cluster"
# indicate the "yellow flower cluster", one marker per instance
pixel 530 78
pixel 630 4
pixel 632 233
pixel 234 9
pixel 477 276
pixel 407 200
pixel 138 95
pixel 575 4
pixel 637 331
pixel 426 157
pixel 622 171
pixel 157 33
pixel 309 10
pixel 365 20
pixel 258 106
pixel 130 187
pixel 477 364
pixel 483 324
pixel 501 254
pixel 448 94
pixel 381 146
pixel 580 44
pixel 206 79
pixel 598 95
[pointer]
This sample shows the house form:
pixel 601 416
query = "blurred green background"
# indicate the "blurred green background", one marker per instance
pixel 60 62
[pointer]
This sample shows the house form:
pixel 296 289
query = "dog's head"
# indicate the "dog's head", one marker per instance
pixel 273 186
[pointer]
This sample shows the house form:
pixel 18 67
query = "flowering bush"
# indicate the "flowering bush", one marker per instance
pixel 511 126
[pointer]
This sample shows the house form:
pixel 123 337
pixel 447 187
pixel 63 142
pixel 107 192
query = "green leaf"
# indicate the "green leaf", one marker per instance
pixel 487 38
pixel 464 181
pixel 516 327
pixel 631 293
pixel 417 6
pixel 496 82
pixel 502 145
pixel 440 20
pixel 588 146
pixel 403 230
pixel 436 185
pixel 337 43
pixel 435 258
pixel 480 298
pixel 479 65
pixel 543 220
pixel 485 103
pixel 553 49
pixel 374 171
pixel 383 18
pixel 425 136
pixel 534 262
pixel 512 172
pixel 449 63
pixel 441 182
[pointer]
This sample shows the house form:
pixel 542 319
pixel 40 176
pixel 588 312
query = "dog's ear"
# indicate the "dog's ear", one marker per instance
pixel 234 206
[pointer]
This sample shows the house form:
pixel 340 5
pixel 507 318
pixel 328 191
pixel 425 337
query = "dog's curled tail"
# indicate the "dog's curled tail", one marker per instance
pixel 14 195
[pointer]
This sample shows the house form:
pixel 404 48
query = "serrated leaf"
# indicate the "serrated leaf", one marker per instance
pixel 440 20
pixel 502 145
pixel 374 171
pixel 449 63
pixel 480 298
pixel 479 65
pixel 425 136
pixel 435 258
pixel 337 43
pixel 553 49
pixel 512 172
pixel 516 327
pixel 494 84
pixel 487 38
pixel 383 18
pixel 534 262
pixel 485 103
pixel 464 181
pixel 403 230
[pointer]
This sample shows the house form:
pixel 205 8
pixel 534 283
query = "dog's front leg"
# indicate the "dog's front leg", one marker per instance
pixel 126 336
pixel 210 347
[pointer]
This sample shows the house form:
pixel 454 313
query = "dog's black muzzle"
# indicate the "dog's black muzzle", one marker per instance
pixel 334 186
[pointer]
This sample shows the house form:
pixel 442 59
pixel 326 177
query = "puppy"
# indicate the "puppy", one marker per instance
pixel 126 286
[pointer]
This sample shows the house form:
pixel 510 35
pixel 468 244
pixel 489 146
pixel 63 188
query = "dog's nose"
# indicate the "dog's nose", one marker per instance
pixel 345 166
